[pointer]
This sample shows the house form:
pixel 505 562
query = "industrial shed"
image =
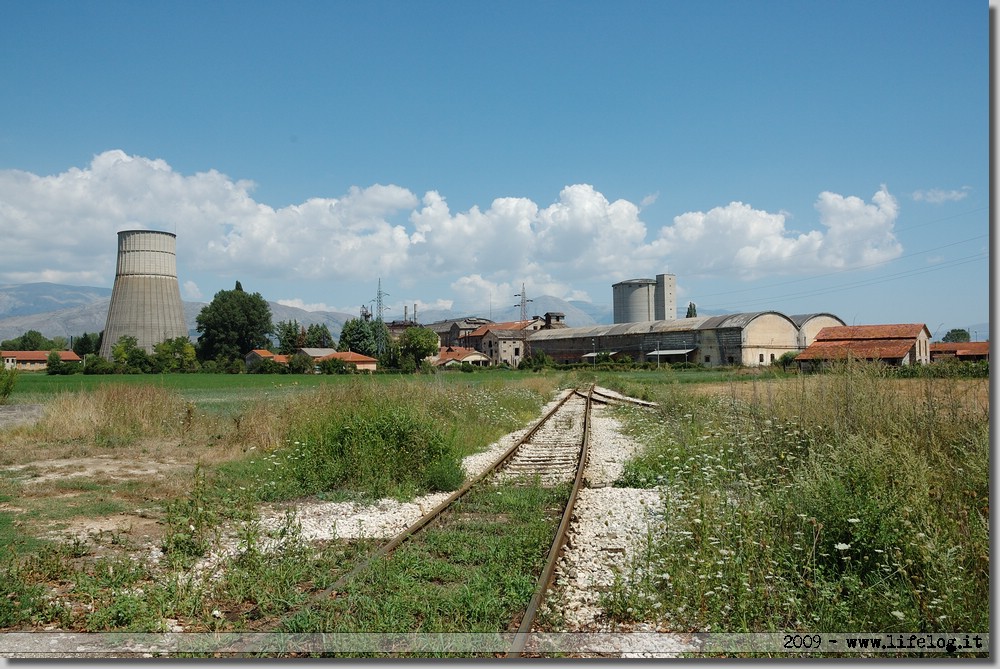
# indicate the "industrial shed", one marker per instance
pixel 751 339
pixel 809 326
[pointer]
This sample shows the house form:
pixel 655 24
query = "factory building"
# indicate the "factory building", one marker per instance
pixel 146 299
pixel 749 339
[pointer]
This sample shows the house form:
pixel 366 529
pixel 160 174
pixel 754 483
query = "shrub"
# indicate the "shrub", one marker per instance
pixel 8 377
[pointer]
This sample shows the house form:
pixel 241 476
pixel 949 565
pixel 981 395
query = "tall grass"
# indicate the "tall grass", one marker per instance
pixel 843 502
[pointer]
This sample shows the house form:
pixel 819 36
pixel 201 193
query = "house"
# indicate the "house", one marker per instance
pixel 894 344
pixel 965 351
pixel 362 363
pixel 258 355
pixel 504 343
pixel 451 356
pixel 455 332
pixel 31 361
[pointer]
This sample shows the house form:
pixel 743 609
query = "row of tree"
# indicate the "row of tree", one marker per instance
pixel 234 323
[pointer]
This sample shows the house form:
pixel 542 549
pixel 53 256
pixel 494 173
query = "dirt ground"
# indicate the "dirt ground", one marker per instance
pixel 122 488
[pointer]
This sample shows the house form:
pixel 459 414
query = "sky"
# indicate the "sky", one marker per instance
pixel 791 156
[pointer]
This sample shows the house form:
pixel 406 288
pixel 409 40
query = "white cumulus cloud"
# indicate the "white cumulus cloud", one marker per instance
pixel 62 228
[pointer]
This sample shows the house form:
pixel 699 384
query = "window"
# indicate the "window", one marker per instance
pixel 772 357
pixel 762 357
pixel 708 358
pixel 517 351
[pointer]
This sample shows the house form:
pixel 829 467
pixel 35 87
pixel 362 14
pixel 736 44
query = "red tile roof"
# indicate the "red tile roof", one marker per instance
pixel 458 353
pixel 865 349
pixel 348 356
pixel 856 332
pixel 962 348
pixel 39 356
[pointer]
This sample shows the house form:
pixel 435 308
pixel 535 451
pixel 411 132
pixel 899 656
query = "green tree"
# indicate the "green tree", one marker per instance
pixel 233 324
pixel 956 336
pixel 86 344
pixel 318 336
pixel 8 379
pixel 360 336
pixel 692 311
pixel 287 333
pixel 418 343
pixel 32 340
pixel 128 357
pixel 337 366
pixel 175 355
pixel 54 365
pixel 300 363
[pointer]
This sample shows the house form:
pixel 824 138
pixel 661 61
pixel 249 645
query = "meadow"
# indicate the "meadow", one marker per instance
pixel 851 500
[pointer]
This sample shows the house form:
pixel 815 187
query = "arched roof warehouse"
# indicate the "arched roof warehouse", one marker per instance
pixel 751 339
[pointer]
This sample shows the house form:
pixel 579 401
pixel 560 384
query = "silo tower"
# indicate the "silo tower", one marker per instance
pixel 640 300
pixel 146 299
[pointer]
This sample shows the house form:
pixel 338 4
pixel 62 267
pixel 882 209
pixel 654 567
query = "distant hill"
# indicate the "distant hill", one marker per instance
pixel 65 311
pixel 38 298
pixel 81 309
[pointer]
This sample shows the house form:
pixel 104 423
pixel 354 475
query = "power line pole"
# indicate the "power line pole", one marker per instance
pixel 380 342
pixel 524 317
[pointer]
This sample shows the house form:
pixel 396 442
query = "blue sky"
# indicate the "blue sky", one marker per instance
pixel 794 156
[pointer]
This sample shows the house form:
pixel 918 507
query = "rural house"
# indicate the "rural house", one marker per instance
pixel 970 351
pixel 896 344
pixel 450 356
pixel 31 361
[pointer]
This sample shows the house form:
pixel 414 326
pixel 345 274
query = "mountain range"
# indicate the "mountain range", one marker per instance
pixel 66 311
pixel 58 310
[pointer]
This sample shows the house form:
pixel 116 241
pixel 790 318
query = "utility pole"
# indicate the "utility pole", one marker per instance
pixel 524 317
pixel 380 342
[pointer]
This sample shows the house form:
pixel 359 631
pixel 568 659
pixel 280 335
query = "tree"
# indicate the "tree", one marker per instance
pixel 318 336
pixel 692 311
pixel 300 363
pixel 233 324
pixel 418 343
pixel 129 357
pixel 956 336
pixel 54 365
pixel 86 344
pixel 175 355
pixel 32 340
pixel 287 333
pixel 359 335
pixel 8 378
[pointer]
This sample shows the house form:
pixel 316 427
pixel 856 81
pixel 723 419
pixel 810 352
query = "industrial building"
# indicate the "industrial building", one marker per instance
pixel 146 298
pixel 748 339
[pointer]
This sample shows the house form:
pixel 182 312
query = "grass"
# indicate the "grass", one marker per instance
pixel 358 438
pixel 836 502
pixel 841 502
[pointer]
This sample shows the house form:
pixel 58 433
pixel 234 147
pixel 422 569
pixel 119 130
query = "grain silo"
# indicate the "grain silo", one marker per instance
pixel 146 299
pixel 640 300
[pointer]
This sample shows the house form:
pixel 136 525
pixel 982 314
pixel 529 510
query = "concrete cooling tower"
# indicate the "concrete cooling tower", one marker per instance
pixel 146 299
pixel 640 300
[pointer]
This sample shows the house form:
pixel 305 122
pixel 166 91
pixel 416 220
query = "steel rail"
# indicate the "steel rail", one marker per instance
pixel 528 619
pixel 424 520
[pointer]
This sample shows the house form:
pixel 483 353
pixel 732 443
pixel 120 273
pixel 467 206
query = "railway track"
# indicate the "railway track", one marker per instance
pixel 545 467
